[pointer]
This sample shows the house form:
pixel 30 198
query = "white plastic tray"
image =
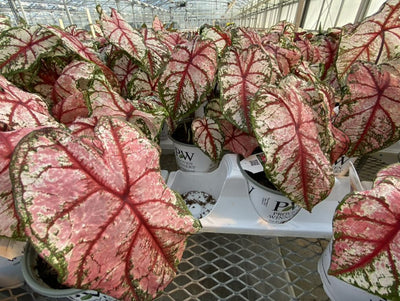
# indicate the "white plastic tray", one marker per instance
pixel 234 212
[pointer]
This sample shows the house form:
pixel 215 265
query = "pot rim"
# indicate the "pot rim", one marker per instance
pixel 260 186
pixel 36 285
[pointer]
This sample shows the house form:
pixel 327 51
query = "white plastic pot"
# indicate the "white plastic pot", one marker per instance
pixel 271 205
pixel 190 158
pixel 36 283
pixel 336 289
pixel 10 272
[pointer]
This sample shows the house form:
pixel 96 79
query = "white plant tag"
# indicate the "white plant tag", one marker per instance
pixel 355 183
pixel 10 248
pixel 342 165
pixel 253 163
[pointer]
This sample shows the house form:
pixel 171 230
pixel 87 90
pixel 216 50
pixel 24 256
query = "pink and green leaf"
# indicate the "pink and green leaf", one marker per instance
pixel 207 135
pixel 5 23
pixel 286 130
pixel 308 50
pixel 143 85
pixel 367 237
pixel 22 47
pixel 104 101
pixel 20 109
pixel 69 109
pixel 376 39
pixel 370 114
pixel 156 52
pixel 390 173
pixel 124 69
pixel 237 141
pixel 241 74
pixel 9 221
pixel 222 38
pixel 157 24
pixel 76 77
pixel 188 77
pixel 287 59
pixel 171 39
pixel 328 46
pixel 149 123
pixel 85 52
pixel 244 37
pixel 213 109
pixel 108 231
pixel 122 35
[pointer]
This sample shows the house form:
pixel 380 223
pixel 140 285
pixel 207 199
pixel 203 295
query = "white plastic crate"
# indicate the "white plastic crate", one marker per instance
pixel 234 212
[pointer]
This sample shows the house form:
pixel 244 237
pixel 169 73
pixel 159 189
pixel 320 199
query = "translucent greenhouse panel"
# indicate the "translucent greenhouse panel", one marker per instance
pixel 332 13
pixel 277 13
pixel 349 12
pixel 374 7
pixel 289 12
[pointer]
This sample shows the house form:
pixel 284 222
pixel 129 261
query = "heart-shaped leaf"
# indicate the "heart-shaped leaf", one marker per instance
pixel 188 77
pixel 143 85
pixel 71 108
pixel 285 127
pixel 104 101
pixel 171 39
pixel 84 51
pixel 238 141
pixel 376 39
pixel 5 23
pixel 122 35
pixel 207 135
pixel 75 77
pixel 390 173
pixel 157 24
pixel 22 47
pixel 308 50
pixel 9 220
pixel 105 220
pixel 149 123
pixel 20 109
pixel 222 39
pixel 370 114
pixel 367 239
pixel 124 68
pixel 244 37
pixel 328 46
pixel 287 59
pixel 241 74
pixel 156 52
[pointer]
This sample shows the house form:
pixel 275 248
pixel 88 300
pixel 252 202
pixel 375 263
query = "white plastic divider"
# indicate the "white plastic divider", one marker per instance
pixel 234 212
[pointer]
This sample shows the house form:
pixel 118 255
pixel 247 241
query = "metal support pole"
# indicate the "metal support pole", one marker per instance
pixel 22 11
pixel 339 12
pixel 68 13
pixel 117 5
pixel 264 16
pixel 279 15
pixel 14 11
pixel 133 14
pixel 362 10
pixel 299 13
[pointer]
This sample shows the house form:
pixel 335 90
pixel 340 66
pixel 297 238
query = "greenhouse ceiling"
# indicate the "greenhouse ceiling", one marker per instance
pixel 190 14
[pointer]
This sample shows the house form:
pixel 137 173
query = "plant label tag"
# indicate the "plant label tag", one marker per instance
pixel 342 165
pixel 253 163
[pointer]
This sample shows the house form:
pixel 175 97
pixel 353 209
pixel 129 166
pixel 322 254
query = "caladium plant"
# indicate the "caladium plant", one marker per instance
pixel 77 102
pixel 79 177
pixel 110 205
pixel 366 237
